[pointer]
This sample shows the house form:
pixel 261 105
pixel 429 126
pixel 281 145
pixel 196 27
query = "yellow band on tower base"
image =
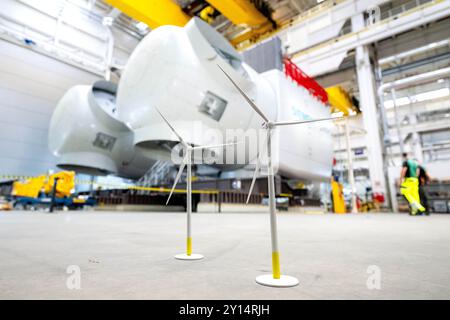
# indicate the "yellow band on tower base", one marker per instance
pixel 189 246
pixel 276 265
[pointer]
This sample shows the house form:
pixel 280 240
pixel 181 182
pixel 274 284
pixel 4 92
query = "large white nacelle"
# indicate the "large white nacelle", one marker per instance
pixel 176 70
pixel 88 138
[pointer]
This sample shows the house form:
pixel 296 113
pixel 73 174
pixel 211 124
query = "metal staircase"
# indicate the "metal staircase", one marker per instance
pixel 161 173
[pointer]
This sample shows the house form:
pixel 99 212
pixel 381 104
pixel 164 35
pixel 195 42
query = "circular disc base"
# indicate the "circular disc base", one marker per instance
pixel 283 282
pixel 184 256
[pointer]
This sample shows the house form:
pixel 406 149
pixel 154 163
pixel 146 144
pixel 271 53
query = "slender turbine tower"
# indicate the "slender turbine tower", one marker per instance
pixel 187 160
pixel 275 279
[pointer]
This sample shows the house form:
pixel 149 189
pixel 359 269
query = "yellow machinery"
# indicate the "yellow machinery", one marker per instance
pixel 340 100
pixel 33 186
pixel 30 188
pixel 65 185
pixel 207 14
pixel 338 197
pixel 154 13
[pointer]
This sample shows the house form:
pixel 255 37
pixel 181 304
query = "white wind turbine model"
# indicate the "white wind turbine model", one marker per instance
pixel 187 160
pixel 275 279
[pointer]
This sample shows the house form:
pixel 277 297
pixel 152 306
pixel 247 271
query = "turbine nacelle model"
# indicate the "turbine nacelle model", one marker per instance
pixel 275 279
pixel 173 74
pixel 187 160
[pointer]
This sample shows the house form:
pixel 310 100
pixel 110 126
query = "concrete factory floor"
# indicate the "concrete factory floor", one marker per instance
pixel 130 256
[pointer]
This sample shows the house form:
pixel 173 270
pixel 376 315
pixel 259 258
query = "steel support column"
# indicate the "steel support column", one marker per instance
pixel 416 143
pixel 351 177
pixel 367 95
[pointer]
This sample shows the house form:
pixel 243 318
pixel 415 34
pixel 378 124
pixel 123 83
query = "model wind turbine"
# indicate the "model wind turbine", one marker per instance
pixel 187 161
pixel 275 279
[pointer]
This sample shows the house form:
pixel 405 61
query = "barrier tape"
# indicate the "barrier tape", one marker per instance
pixel 127 187
pixel 141 188
pixel 15 177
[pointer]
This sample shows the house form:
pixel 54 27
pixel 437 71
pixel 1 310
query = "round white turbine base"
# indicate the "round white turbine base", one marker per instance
pixel 184 256
pixel 283 282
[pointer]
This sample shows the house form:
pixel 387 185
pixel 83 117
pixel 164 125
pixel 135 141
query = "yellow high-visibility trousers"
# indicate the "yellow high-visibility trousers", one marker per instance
pixel 410 190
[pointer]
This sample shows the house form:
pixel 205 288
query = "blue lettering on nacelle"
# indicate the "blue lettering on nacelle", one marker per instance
pixel 299 114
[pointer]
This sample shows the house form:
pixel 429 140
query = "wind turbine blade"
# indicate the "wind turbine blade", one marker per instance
pixel 258 165
pixel 250 102
pixel 171 128
pixel 180 171
pixel 250 191
pixel 216 145
pixel 286 123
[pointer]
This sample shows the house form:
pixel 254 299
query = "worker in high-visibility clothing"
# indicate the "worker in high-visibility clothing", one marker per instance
pixel 409 187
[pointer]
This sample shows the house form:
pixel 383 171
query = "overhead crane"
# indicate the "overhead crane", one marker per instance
pixel 341 101
pixel 240 12
pixel 156 13
pixel 243 13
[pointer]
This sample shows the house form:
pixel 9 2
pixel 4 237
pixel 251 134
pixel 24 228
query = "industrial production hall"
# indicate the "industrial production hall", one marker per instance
pixel 224 150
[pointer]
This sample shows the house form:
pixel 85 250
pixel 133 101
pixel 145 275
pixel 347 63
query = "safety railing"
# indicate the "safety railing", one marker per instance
pixel 295 73
pixel 128 197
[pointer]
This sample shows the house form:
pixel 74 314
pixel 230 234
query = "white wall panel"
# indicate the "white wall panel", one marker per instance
pixel 24 101
pixel 22 134
pixel 30 86
pixel 28 118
